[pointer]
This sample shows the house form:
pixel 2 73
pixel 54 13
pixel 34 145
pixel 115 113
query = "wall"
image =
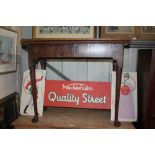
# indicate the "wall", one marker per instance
pixel 9 82
pixel 90 70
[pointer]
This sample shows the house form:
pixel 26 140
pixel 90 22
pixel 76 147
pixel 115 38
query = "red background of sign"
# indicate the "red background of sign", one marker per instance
pixel 100 89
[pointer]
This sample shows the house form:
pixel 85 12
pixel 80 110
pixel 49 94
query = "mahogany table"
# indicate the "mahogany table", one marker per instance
pixel 41 50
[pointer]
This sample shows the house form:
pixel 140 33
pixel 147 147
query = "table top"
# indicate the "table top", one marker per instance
pixel 52 41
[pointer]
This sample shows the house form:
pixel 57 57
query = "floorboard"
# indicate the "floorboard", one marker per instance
pixel 68 118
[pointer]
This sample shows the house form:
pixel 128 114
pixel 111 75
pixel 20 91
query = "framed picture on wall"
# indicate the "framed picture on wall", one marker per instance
pixel 119 29
pixel 62 32
pixel 147 32
pixel 8 43
pixel 148 29
pixel 118 32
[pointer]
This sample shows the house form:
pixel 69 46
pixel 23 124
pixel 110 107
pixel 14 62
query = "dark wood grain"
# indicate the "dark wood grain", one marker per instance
pixel 143 67
pixel 40 50
pixel 8 111
pixel 150 91
pixel 43 66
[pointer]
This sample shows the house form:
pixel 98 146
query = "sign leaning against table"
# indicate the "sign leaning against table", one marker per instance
pixel 27 106
pixel 78 94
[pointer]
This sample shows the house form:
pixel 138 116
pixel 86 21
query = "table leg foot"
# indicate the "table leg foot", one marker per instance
pixel 117 123
pixel 35 119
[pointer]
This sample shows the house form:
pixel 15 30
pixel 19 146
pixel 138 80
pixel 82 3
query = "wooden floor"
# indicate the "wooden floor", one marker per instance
pixel 61 118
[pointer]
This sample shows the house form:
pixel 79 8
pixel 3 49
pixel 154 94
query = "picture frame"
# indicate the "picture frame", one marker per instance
pixel 147 32
pixel 8 43
pixel 148 29
pixel 63 32
pixel 118 32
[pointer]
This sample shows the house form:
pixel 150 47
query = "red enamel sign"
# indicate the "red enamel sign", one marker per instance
pixel 78 94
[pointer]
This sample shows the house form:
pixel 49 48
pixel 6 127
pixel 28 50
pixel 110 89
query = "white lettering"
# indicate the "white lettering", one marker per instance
pixel 76 86
pixel 91 99
pixel 52 96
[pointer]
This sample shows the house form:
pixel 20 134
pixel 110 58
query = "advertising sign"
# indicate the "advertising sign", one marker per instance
pixel 78 94
pixel 128 97
pixel 27 106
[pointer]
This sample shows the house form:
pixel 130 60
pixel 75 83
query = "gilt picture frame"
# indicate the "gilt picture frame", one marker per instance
pixel 118 32
pixel 147 32
pixel 8 43
pixel 148 29
pixel 63 32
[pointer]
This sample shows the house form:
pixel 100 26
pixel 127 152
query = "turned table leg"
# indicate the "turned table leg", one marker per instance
pixel 118 70
pixel 34 91
pixel 43 66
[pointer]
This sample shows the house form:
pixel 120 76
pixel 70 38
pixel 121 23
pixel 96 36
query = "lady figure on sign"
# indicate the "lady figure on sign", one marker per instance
pixel 126 106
